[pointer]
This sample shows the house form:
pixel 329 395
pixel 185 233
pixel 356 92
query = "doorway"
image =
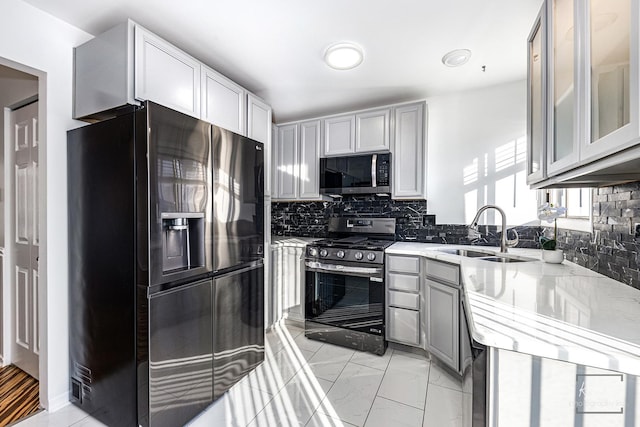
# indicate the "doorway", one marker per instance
pixel 19 220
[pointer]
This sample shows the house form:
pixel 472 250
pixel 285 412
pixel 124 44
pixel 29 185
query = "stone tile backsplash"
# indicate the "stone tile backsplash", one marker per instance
pixel 610 249
pixel 413 223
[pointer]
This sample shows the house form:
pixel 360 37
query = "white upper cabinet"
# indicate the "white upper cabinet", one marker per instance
pixel 409 152
pixel 129 64
pixel 309 160
pixel 297 157
pixel 611 92
pixel 563 128
pixel 372 131
pixel 165 74
pixel 258 119
pixel 588 72
pixel 400 129
pixel 363 132
pixel 339 135
pixel 536 112
pixel 259 128
pixel 223 102
pixel 287 167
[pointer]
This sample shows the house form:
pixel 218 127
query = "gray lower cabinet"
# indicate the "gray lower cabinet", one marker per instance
pixel 443 317
pixel 443 325
pixel 404 326
pixel 403 303
pixel 287 282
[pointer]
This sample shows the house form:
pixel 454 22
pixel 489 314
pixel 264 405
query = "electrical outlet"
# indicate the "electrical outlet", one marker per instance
pixel 428 220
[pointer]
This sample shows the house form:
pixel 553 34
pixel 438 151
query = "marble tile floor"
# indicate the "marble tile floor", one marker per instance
pixel 308 383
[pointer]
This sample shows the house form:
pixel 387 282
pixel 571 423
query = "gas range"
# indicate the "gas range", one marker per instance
pixel 345 288
pixel 359 240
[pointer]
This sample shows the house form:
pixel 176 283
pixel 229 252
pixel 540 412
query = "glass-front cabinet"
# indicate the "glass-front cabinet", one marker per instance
pixel 563 129
pixel 611 100
pixel 583 89
pixel 536 159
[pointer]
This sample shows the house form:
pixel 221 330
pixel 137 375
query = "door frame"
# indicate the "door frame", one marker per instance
pixel 9 262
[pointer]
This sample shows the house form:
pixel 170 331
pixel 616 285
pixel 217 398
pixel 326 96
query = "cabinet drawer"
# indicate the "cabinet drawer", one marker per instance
pixel 404 326
pixel 449 273
pixel 403 282
pixel 404 300
pixel 403 264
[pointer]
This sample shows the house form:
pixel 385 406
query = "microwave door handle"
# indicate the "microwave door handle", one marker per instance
pixel 374 170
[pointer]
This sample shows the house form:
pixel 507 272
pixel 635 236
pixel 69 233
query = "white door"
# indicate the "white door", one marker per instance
pixel 25 336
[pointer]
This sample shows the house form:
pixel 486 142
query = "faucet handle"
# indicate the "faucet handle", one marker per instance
pixel 512 243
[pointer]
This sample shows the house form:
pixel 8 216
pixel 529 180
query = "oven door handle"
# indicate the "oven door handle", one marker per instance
pixel 338 268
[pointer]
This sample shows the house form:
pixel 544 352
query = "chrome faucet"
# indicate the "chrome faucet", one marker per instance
pixel 504 243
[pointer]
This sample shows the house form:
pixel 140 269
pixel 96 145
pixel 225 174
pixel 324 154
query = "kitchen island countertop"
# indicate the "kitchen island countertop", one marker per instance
pixel 559 311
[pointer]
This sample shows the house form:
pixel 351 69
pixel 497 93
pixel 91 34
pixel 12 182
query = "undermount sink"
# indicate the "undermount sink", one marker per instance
pixel 506 259
pixel 484 256
pixel 467 253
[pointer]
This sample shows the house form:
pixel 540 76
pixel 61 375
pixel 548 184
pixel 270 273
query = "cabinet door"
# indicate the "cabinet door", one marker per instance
pixel 409 163
pixel 259 128
pixel 309 160
pixel 294 283
pixel 372 131
pixel 612 77
pixel 286 162
pixel 443 327
pixel 563 128
pixel 536 123
pixel 223 102
pixel 339 135
pixel 258 119
pixel 404 326
pixel 166 75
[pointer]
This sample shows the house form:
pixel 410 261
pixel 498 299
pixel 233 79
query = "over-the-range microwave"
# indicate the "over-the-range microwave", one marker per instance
pixel 360 174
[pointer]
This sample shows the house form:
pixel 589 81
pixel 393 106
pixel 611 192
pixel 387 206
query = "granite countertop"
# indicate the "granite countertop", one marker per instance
pixel 558 311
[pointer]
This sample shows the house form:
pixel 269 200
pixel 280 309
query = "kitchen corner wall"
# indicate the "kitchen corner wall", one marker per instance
pixel 611 248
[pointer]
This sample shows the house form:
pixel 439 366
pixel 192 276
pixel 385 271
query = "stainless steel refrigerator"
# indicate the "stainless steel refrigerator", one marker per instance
pixel 165 257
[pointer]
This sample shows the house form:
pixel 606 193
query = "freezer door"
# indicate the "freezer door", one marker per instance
pixel 179 160
pixel 238 326
pixel 238 199
pixel 180 354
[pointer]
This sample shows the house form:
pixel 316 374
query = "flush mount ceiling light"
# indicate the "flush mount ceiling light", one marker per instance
pixel 456 58
pixel 343 56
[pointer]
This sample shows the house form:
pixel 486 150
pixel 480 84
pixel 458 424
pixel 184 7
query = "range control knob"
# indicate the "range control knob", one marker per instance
pixel 358 255
pixel 323 252
pixel 313 251
pixel 340 254
pixel 371 256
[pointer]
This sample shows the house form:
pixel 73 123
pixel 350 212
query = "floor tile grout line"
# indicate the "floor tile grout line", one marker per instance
pixel 334 383
pixel 379 385
pixel 306 362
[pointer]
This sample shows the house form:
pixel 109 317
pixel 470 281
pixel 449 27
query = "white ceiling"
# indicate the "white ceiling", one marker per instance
pixel 275 48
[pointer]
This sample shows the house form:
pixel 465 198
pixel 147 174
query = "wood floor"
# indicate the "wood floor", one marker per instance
pixel 18 395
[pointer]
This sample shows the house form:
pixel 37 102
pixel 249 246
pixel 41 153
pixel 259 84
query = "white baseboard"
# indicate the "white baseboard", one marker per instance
pixel 1 361
pixel 57 402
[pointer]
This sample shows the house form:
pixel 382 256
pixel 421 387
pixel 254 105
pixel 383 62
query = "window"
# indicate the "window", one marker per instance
pixel 578 204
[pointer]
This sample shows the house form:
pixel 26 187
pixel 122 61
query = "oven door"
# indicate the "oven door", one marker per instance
pixel 346 296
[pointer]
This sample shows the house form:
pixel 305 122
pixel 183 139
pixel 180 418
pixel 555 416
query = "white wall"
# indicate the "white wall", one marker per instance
pixel 476 155
pixel 35 39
